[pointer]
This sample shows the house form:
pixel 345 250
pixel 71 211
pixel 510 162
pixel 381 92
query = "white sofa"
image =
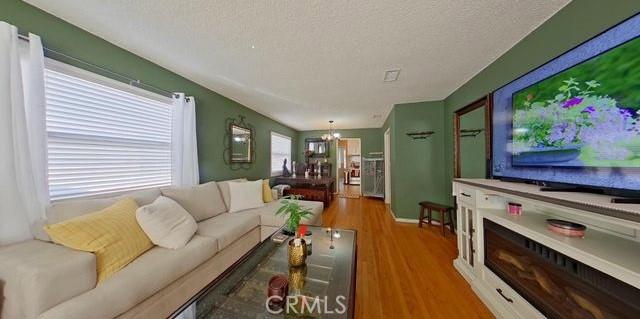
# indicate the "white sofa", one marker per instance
pixel 40 279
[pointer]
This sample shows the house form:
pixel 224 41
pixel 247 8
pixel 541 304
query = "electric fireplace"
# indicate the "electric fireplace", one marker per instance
pixel 557 285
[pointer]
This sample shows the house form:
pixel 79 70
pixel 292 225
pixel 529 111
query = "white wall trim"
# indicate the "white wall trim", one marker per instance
pixel 387 166
pixel 401 220
pixel 393 215
pixel 407 220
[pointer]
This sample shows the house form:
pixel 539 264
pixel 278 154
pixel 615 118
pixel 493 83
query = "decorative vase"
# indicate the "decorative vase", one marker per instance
pixel 297 277
pixel 297 254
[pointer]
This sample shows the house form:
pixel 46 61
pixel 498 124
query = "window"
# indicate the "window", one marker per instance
pixel 103 136
pixel 280 149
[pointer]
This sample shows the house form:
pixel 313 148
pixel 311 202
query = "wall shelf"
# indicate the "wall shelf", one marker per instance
pixel 471 132
pixel 420 135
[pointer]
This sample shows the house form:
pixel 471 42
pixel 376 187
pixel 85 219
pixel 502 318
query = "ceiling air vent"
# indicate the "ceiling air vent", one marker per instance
pixel 391 75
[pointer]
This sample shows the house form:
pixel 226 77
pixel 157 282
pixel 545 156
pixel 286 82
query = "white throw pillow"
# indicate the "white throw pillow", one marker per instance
pixel 245 195
pixel 166 223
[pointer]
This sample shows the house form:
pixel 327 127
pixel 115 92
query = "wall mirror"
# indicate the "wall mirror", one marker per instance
pixel 241 141
pixel 316 147
pixel 472 124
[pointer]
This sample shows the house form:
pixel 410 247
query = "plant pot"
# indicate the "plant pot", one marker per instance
pixel 297 254
pixel 287 231
pixel 547 155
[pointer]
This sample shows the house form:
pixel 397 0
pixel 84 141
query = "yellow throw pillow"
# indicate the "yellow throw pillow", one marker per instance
pixel 266 191
pixel 113 234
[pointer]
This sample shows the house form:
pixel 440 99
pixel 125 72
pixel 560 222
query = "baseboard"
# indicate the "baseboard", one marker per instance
pixel 401 220
pixel 391 212
pixel 407 220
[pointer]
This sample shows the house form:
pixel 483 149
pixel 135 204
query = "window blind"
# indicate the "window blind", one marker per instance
pixel 102 139
pixel 280 149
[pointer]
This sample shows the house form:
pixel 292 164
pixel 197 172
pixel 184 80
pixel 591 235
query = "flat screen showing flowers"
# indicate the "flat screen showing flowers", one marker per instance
pixel 584 116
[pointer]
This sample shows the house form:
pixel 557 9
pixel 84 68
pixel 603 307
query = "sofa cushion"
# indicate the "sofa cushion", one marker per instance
pixel 201 201
pixel 224 190
pixel 113 234
pixel 245 196
pixel 228 227
pixel 142 278
pixel 38 275
pixel 268 216
pixel 166 223
pixel 67 209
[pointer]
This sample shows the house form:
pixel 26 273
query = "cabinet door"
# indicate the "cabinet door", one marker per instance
pixel 466 233
pixel 471 223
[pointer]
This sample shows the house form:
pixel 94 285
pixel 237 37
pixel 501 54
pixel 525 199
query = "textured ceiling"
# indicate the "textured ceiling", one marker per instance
pixel 306 62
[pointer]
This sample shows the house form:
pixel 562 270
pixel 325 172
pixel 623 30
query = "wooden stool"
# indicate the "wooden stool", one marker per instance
pixel 442 209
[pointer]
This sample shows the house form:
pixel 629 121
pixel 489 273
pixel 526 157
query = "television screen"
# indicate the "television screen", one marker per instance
pixel 574 120
pixel 584 116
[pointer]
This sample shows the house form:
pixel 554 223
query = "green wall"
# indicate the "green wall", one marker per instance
pixel 416 164
pixel 212 109
pixel 371 140
pixel 574 24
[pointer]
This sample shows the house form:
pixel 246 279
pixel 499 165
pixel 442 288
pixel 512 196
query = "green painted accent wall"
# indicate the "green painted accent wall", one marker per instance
pixel 371 140
pixel 472 148
pixel 212 109
pixel 575 23
pixel 417 172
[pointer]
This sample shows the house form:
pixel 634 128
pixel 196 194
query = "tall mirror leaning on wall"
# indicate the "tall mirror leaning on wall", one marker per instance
pixel 472 154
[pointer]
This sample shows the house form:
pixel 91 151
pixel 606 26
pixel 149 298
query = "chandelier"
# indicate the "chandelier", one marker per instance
pixel 331 135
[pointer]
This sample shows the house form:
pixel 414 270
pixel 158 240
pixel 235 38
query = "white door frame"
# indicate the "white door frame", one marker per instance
pixel 337 170
pixel 387 166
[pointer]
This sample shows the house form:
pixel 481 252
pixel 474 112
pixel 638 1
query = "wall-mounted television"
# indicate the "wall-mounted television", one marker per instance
pixel 576 119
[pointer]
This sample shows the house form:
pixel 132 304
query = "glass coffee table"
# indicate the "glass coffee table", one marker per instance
pixel 323 288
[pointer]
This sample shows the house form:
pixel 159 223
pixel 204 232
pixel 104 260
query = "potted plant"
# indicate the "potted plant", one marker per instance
pixel 293 213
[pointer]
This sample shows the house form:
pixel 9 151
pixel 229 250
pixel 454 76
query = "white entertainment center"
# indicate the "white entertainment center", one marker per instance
pixel 611 244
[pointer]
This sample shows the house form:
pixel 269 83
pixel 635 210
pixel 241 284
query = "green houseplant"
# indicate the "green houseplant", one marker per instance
pixel 293 213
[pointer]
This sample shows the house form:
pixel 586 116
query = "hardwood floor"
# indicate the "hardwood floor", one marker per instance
pixel 403 271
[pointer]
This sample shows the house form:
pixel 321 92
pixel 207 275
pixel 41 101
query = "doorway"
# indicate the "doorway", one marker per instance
pixel 387 166
pixel 348 167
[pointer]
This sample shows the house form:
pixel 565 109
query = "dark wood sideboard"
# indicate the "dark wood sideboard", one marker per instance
pixel 311 188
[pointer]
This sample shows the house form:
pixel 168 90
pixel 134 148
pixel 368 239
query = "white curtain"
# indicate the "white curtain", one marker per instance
pixel 184 156
pixel 23 193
